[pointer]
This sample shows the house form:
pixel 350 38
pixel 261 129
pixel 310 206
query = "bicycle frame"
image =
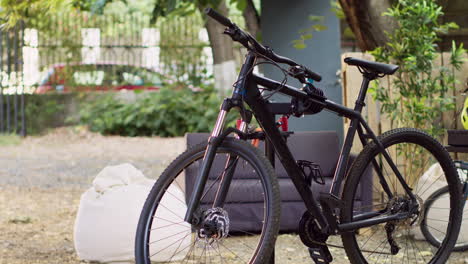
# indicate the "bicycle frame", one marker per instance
pixel 247 91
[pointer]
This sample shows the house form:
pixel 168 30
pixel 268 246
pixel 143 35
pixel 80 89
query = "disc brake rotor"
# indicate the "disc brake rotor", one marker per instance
pixel 214 225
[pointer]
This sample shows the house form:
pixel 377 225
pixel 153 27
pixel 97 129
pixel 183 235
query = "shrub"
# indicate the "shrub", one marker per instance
pixel 41 112
pixel 419 93
pixel 165 113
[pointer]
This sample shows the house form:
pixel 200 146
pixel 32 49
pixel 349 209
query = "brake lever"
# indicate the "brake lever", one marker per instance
pixel 298 72
pixel 237 35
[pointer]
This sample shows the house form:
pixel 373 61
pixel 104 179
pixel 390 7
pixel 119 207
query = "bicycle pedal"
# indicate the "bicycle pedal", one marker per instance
pixel 320 255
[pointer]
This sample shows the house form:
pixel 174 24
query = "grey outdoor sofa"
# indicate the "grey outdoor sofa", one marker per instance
pixel 320 147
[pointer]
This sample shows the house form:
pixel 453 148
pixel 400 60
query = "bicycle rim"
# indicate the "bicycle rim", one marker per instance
pixel 425 166
pixel 247 216
pixel 436 217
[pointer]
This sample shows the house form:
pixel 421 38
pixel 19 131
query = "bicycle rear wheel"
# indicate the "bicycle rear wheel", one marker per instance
pixel 436 217
pixel 242 230
pixel 413 152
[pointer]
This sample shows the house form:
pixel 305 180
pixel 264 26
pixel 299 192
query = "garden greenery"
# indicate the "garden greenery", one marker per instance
pixel 419 93
pixel 165 113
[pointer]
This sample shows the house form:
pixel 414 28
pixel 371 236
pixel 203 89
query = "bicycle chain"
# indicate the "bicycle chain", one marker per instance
pixel 342 247
pixel 308 230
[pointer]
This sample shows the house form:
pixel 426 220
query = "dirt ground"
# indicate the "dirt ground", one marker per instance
pixel 36 224
pixel 42 179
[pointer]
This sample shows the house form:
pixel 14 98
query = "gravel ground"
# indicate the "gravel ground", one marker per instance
pixel 73 157
pixel 42 178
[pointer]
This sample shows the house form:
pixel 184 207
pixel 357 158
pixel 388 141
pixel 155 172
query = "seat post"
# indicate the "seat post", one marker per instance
pixel 367 77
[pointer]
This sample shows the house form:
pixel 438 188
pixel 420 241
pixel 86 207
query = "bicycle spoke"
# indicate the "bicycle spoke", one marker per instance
pixel 167 246
pixel 177 198
pixel 219 252
pixel 171 245
pixel 438 220
pixel 372 242
pixel 419 251
pixel 171 223
pixel 436 229
pixel 232 252
pixel 176 251
pixel 245 244
pixel 167 237
pixel 165 207
pixel 374 251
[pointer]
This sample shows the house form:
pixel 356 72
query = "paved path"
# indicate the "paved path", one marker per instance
pixel 73 158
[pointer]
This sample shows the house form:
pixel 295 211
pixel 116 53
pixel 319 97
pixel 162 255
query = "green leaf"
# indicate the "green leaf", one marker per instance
pixel 316 18
pixel 241 4
pixel 306 36
pixel 336 9
pixel 300 46
pixel 319 27
pixel 171 5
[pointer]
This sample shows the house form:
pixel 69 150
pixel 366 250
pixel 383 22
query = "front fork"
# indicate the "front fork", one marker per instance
pixel 214 141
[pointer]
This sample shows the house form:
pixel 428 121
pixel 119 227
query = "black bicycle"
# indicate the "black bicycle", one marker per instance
pixel 175 227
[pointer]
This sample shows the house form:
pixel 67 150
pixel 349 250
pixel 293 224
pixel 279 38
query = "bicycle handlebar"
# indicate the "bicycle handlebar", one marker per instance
pixel 218 17
pixel 244 38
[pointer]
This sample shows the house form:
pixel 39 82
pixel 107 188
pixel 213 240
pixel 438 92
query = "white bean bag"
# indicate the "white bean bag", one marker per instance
pixel 432 180
pixel 108 215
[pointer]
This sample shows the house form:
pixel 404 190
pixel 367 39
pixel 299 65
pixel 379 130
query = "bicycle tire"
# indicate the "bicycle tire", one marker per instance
pixel 405 137
pixel 269 184
pixel 426 230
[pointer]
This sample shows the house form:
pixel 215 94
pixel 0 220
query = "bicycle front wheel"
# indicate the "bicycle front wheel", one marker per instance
pixel 243 229
pixel 413 152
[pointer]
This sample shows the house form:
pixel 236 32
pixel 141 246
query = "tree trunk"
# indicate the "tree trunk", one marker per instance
pixel 252 19
pixel 223 52
pixel 365 19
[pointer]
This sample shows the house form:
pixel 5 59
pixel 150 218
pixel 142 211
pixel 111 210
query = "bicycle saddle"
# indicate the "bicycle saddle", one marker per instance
pixel 372 66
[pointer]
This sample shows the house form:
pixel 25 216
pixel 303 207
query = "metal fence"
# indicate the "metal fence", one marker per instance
pixel 177 48
pixel 12 101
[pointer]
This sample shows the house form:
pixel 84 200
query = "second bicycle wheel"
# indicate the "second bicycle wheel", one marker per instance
pixel 436 217
pixel 243 230
pixel 413 152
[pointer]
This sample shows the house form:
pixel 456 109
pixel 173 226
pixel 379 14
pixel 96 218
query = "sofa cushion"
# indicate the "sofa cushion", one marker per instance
pixel 321 147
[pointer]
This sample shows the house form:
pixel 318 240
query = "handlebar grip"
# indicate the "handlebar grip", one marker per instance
pixel 313 75
pixel 218 17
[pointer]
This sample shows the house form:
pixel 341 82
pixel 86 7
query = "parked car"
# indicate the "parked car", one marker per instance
pixel 98 77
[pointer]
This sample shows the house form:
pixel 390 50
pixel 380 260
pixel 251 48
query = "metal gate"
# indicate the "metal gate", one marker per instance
pixel 12 101
pixel 176 48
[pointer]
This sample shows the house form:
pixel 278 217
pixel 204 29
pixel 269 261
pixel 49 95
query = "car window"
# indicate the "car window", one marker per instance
pixel 46 77
pixel 149 78
pixel 101 75
pixel 152 78
pixel 132 79
pixel 138 76
pixel 92 77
